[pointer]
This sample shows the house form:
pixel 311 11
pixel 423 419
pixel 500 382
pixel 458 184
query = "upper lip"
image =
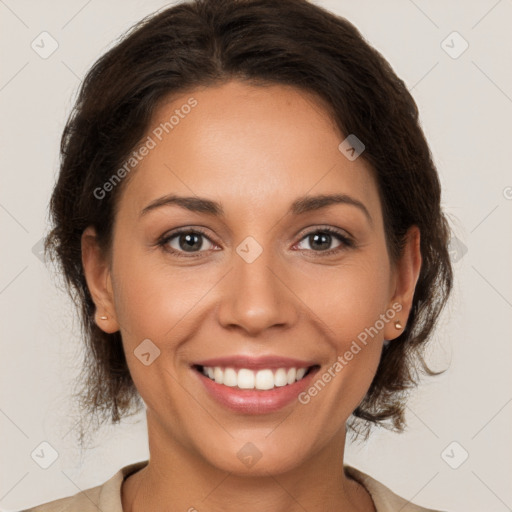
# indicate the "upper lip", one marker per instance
pixel 255 363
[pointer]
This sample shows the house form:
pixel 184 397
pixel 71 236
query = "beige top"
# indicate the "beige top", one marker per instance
pixel 107 497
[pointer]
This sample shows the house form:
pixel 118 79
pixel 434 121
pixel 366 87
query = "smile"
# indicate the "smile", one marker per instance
pixel 254 385
pixel 244 378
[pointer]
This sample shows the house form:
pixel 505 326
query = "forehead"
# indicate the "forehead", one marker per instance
pixel 253 147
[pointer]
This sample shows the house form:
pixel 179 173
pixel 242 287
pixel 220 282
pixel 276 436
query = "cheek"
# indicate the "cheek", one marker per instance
pixel 155 302
pixel 350 297
pixel 351 305
pixel 152 297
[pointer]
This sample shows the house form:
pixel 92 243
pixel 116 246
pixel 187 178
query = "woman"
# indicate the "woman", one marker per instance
pixel 249 217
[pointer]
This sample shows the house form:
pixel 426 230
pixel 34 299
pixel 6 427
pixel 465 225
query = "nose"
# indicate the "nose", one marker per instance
pixel 256 295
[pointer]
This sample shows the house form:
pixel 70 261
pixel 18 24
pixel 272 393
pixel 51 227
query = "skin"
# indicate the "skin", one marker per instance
pixel 255 150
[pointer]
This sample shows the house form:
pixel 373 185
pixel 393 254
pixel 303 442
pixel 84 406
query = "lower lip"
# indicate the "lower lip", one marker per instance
pixel 249 401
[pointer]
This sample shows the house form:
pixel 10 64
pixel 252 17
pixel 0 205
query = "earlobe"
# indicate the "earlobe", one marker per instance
pixel 98 278
pixel 407 273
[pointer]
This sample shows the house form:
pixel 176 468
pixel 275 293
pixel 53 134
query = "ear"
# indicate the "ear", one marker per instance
pixel 406 274
pixel 98 276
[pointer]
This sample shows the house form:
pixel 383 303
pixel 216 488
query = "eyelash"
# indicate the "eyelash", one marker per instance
pixel 345 241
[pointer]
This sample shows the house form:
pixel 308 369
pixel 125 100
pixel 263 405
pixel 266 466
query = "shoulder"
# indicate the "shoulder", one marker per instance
pixel 85 501
pixel 105 497
pixel 384 499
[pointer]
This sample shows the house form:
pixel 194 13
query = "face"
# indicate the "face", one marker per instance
pixel 250 279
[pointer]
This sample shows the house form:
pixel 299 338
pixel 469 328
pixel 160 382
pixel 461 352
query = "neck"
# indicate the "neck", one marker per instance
pixel 183 481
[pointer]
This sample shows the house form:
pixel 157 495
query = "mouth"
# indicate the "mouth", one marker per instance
pixel 252 386
pixel 263 379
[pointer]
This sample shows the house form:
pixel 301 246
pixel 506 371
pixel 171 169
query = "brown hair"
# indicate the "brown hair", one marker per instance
pixel 207 42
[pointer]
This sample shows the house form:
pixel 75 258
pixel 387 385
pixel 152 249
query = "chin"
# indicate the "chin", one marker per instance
pixel 258 458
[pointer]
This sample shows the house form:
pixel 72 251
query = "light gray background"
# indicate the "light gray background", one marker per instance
pixel 465 106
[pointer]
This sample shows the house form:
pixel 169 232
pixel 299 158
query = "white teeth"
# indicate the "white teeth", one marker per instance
pixel 230 378
pixel 218 375
pixel 300 373
pixel 245 379
pixel 280 378
pixel 292 375
pixel 264 379
pixel 249 379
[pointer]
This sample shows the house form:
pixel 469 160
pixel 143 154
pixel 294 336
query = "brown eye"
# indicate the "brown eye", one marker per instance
pixel 186 241
pixel 320 241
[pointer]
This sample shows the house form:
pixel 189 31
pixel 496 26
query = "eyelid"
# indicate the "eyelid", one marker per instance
pixel 324 228
pixel 346 240
pixel 166 237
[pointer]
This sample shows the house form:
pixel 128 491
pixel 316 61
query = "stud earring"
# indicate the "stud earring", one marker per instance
pixel 103 317
pixel 398 325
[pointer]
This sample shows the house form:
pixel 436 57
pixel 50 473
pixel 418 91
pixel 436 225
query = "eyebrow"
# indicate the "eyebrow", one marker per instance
pixel 301 205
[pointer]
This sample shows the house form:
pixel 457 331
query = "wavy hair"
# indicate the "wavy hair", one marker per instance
pixel 208 42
